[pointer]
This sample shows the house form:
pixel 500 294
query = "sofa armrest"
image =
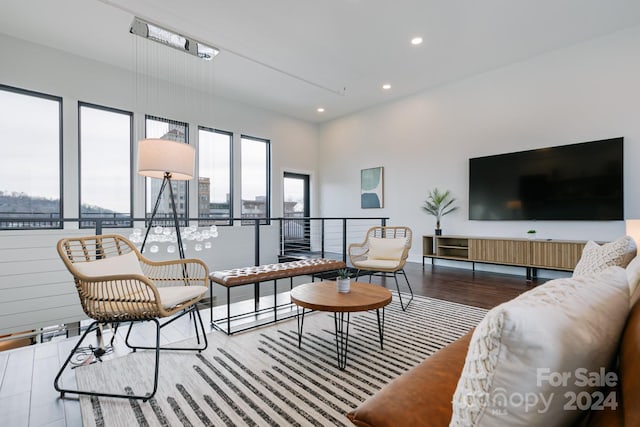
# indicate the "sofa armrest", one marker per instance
pixel 421 396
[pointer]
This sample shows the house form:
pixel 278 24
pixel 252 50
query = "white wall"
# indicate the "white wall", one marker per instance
pixel 40 280
pixel 582 93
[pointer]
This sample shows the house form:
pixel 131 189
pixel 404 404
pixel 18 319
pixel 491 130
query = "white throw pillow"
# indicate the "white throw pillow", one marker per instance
pixel 596 258
pixel 391 249
pixel 566 328
pixel 121 264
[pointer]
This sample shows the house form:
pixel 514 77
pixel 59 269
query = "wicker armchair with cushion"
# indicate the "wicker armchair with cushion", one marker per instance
pixel 384 253
pixel 117 284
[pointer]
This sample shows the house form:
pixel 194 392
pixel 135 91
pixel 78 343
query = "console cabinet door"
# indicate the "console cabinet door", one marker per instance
pixel 499 251
pixel 556 255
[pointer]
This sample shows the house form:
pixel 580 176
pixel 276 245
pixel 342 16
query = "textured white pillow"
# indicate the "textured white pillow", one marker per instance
pixel 596 258
pixel 391 249
pixel 121 264
pixel 554 329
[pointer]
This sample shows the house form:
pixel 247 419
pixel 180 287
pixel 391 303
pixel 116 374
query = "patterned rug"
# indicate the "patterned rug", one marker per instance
pixel 261 377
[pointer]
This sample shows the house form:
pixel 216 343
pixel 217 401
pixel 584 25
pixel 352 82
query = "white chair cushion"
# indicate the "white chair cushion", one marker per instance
pixel 382 248
pixel 374 264
pixel 121 264
pixel 554 329
pixel 596 258
pixel 170 296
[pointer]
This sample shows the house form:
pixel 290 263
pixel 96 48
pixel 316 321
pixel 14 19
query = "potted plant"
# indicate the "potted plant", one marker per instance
pixel 343 281
pixel 439 204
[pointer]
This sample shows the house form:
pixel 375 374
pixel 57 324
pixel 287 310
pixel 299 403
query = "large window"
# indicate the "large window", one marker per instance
pixel 176 131
pixel 30 178
pixel 214 175
pixel 255 167
pixel 105 164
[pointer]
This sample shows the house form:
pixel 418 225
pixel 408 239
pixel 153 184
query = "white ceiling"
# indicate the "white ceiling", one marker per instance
pixel 292 56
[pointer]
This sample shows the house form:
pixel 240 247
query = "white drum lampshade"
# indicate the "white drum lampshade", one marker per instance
pixel 159 156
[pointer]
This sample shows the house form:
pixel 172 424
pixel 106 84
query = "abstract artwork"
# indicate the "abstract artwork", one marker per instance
pixel 371 188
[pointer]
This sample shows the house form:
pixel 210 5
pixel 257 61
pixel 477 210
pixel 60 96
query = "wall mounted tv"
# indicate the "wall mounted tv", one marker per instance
pixel 570 182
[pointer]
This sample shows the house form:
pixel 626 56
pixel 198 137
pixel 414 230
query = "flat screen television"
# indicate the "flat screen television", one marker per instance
pixel 570 182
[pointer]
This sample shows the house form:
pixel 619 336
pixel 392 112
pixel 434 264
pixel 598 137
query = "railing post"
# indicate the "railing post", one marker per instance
pixel 322 237
pixel 98 227
pixel 256 286
pixel 383 222
pixel 281 227
pixel 344 239
pixel 256 235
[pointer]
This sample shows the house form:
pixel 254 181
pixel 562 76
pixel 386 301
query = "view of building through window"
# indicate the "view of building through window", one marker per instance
pixel 255 177
pixel 105 163
pixel 175 131
pixel 214 175
pixel 30 178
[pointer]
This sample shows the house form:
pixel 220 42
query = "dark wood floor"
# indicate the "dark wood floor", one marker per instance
pixel 479 289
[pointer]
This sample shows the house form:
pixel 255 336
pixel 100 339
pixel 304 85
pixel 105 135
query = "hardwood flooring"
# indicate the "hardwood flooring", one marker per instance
pixel 27 396
pixel 476 288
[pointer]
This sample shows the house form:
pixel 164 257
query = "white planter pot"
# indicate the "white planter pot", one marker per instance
pixel 343 285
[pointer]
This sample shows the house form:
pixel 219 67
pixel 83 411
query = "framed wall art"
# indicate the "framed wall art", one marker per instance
pixel 372 188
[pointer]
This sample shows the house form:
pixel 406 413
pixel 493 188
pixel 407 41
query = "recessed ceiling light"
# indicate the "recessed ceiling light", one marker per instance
pixel 416 41
pixel 320 110
pixel 386 86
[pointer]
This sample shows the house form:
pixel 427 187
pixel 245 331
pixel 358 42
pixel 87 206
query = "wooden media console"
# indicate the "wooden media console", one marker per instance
pixel 532 254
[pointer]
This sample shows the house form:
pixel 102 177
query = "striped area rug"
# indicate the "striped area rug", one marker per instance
pixel 261 378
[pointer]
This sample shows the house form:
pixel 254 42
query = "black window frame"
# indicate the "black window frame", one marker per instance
pixel 115 224
pixel 231 169
pixel 267 142
pixel 59 223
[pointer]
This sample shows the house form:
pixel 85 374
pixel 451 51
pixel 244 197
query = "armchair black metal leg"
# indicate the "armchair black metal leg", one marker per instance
pixel 193 310
pixel 408 284
pixel 395 277
pixel 195 326
pixel 204 333
pixel 93 327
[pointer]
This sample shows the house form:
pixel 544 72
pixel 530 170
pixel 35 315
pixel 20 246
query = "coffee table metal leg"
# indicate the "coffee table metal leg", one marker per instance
pixel 300 320
pixel 380 326
pixel 342 337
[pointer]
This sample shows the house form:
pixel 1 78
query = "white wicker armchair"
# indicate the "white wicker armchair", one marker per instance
pixel 384 252
pixel 117 284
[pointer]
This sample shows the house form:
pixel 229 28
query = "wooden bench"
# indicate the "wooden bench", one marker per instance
pixel 263 273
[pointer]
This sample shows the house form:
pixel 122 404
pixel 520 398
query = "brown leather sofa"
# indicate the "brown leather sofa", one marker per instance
pixel 422 396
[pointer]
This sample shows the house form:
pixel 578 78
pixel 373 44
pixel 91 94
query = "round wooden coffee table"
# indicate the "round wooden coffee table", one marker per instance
pixel 323 296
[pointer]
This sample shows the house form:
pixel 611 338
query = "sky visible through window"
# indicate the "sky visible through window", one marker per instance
pixel 254 169
pixel 294 192
pixel 105 138
pixel 214 162
pixel 30 161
